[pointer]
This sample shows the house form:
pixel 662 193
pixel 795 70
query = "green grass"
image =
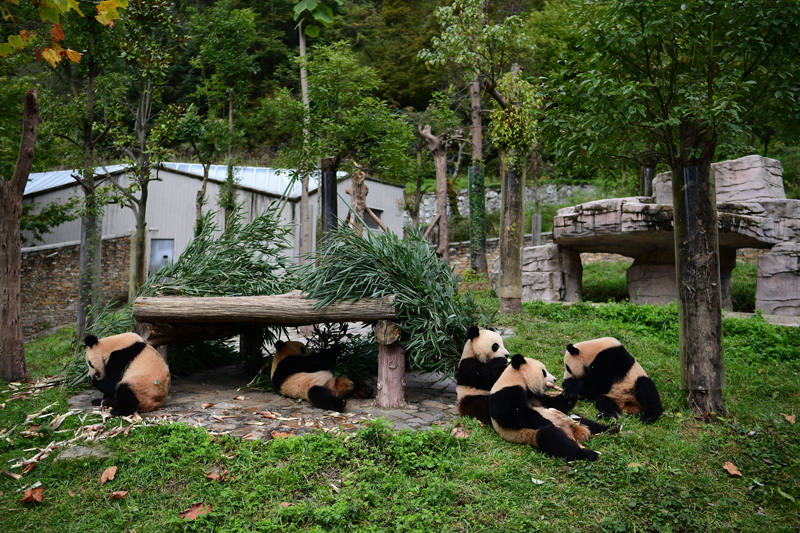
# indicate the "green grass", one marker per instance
pixel 664 477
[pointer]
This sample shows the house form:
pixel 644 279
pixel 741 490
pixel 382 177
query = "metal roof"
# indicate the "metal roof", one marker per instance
pixel 269 180
pixel 44 181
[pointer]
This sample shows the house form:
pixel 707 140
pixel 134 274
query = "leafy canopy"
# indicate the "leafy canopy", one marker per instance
pixel 671 69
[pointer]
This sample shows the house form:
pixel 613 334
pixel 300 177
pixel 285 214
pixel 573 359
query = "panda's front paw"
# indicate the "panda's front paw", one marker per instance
pixel 570 390
pixel 97 401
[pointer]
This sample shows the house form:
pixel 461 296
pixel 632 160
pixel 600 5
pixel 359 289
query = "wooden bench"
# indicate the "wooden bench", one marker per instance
pixel 165 320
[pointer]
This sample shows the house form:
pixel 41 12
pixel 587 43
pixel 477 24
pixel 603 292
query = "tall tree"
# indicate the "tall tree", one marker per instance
pixel 346 125
pixel 310 15
pixel 14 367
pixel 96 43
pixel 483 49
pixel 151 44
pixel 673 75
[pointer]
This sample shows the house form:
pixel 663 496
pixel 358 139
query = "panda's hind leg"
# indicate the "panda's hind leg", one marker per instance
pixel 553 441
pixel 324 398
pixel 125 401
pixel 647 396
pixel 607 406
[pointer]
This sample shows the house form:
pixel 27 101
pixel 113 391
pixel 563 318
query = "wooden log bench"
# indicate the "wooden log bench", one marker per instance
pixel 165 320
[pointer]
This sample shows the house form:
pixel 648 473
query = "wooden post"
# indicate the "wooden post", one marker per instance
pixel 250 343
pixel 391 366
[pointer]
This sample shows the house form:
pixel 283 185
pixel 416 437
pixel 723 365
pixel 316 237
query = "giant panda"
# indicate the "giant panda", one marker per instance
pixel 603 371
pixel 519 415
pixel 300 373
pixel 482 361
pixel 130 373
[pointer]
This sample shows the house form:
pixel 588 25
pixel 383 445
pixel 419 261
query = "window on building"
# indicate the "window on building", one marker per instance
pixel 371 224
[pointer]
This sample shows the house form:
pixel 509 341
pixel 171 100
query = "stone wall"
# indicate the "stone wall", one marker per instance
pixel 50 281
pixel 459 252
pixel 548 194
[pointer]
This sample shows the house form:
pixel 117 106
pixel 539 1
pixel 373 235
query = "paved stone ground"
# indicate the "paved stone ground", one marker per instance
pixel 215 400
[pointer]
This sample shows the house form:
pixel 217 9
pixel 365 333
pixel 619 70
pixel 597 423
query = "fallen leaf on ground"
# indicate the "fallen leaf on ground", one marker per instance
pixel 207 405
pixel 28 468
pixel 789 418
pixel 194 511
pixel 108 475
pixel 33 495
pixel 118 495
pixel 459 432
pixel 70 492
pixel 285 504
pixel 282 435
pixel 731 469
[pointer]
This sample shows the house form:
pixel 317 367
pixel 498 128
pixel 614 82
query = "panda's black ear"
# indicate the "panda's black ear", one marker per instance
pixel 572 349
pixel 90 340
pixel 472 332
pixel 280 345
pixel 517 360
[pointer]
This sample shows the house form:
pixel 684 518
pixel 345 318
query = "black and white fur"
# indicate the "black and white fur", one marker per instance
pixel 130 373
pixel 518 408
pixel 482 361
pixel 602 370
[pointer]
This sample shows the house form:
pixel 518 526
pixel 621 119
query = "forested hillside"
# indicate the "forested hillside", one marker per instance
pixel 229 64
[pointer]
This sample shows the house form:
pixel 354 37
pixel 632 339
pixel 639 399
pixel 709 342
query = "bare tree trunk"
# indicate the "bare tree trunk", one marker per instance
pixel 698 273
pixel 305 218
pixel 201 197
pixel 477 191
pixel 328 197
pixel 452 193
pixel 438 149
pixel 358 192
pixel 89 263
pixel 12 346
pixel 230 122
pixel 648 173
pixel 417 193
pixel 510 281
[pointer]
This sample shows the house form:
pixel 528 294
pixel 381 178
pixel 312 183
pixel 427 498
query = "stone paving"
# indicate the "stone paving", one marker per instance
pixel 217 400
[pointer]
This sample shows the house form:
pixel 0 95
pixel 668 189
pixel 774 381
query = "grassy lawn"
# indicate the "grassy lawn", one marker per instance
pixel 667 477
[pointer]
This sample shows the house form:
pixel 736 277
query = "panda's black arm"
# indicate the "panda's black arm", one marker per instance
pixel 580 388
pixel 473 373
pixel 294 364
pixel 116 366
pixel 560 402
pixel 509 407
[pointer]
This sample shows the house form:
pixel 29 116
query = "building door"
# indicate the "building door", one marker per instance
pixel 160 253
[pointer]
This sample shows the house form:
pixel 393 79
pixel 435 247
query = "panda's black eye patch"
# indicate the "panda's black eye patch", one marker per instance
pixel 544 374
pixel 90 364
pixel 495 347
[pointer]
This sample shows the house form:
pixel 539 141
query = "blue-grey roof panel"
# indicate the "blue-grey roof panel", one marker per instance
pixel 269 180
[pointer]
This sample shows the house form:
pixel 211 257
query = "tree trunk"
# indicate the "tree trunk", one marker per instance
pixel 648 173
pixel 305 218
pixel 201 198
pixel 328 197
pixel 438 149
pixel 698 273
pixel 230 122
pixel 358 193
pixel 417 193
pixel 477 191
pixel 89 267
pixel 452 193
pixel 391 366
pixel 12 346
pixel 510 281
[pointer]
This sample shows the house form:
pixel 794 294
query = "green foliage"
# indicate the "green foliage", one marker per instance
pixel 310 12
pixel 659 68
pixel 432 313
pixel 42 221
pixel 344 121
pixel 755 341
pixel 516 127
pixel 604 281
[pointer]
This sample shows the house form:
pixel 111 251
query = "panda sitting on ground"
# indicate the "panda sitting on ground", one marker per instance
pixel 130 373
pixel 517 408
pixel 482 361
pixel 603 371
pixel 300 373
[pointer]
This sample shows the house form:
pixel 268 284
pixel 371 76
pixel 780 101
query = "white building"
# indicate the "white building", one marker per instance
pixel 171 210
